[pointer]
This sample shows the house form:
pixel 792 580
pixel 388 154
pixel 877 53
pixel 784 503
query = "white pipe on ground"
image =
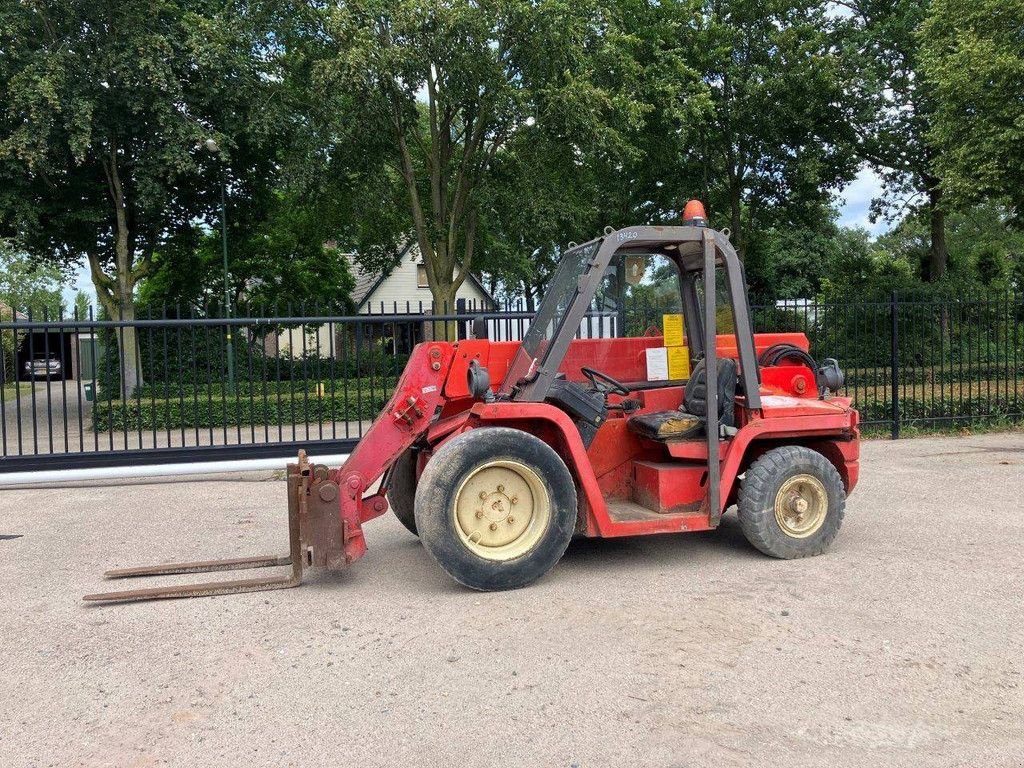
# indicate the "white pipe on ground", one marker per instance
pixel 47 477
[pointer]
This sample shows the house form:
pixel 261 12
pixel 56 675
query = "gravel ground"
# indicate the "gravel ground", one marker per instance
pixel 902 647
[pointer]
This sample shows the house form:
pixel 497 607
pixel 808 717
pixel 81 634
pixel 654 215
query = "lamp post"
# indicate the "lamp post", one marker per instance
pixel 213 148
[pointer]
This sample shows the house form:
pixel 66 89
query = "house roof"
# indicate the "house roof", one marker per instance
pixel 367 282
pixel 5 309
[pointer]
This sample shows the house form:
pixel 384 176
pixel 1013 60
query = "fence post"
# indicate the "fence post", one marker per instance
pixel 895 365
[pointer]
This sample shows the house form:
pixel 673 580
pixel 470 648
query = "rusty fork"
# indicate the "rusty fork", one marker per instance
pixel 314 533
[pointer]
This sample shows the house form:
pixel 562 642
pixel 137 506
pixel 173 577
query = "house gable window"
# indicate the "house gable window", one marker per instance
pixel 421 276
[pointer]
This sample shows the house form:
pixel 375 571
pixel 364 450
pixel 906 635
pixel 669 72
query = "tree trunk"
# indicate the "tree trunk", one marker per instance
pixel 735 205
pixel 938 255
pixel 531 301
pixel 444 304
pixel 120 308
pixel 128 346
pixel 118 294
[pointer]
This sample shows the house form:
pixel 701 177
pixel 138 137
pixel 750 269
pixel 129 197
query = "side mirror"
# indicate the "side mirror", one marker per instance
pixel 478 381
pixel 830 377
pixel 478 329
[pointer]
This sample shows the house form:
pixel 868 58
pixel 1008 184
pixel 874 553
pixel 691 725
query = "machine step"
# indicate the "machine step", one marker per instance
pixel 623 510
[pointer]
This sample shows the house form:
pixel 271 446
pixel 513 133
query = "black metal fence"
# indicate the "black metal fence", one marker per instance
pixel 80 392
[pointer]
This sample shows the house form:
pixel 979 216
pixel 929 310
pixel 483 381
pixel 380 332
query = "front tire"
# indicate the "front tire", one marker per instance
pixel 496 508
pixel 791 503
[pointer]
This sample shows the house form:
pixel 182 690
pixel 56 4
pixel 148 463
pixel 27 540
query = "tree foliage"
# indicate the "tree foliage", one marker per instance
pixel 281 256
pixel 473 93
pixel 493 132
pixel 26 284
pixel 781 138
pixel 973 58
pixel 104 109
pixel 898 111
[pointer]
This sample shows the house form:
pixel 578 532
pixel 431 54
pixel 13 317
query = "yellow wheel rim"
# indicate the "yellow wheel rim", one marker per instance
pixel 801 506
pixel 501 510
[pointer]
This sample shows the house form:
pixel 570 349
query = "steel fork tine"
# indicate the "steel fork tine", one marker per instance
pixel 197 590
pixel 314 536
pixel 200 566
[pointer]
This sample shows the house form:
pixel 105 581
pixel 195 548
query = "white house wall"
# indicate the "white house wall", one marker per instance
pixel 318 342
pixel 398 289
pixel 402 286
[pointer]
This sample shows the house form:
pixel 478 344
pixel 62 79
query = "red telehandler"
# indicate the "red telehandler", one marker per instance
pixel 576 439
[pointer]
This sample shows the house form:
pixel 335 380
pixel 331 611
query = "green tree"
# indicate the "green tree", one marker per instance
pixel 899 107
pixel 863 267
pixel 973 58
pixel 780 139
pixel 104 108
pixel 553 184
pixel 456 85
pixel 83 306
pixel 984 252
pixel 791 262
pixel 281 255
pixel 26 284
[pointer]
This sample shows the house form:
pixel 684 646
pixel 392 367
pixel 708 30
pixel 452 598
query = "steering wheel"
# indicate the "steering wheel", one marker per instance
pixel 615 386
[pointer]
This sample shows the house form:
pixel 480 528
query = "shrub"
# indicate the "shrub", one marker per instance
pixel 258 389
pixel 943 411
pixel 280 410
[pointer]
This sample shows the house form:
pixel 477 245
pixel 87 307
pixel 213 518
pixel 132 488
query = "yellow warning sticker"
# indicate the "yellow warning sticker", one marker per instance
pixel 678 363
pixel 673 330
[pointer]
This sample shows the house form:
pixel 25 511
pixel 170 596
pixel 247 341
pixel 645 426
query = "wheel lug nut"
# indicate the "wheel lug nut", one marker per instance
pixel 483 495
pixel 511 519
pixel 501 489
pixel 494 526
pixel 514 499
pixel 479 513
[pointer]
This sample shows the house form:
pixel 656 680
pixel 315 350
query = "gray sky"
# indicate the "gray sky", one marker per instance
pixel 856 199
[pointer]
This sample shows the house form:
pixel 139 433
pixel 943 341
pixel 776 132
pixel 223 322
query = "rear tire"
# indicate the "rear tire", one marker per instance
pixel 496 508
pixel 402 490
pixel 791 503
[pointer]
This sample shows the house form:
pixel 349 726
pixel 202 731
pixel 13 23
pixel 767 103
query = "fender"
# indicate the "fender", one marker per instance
pixel 537 418
pixel 840 428
pixel 562 434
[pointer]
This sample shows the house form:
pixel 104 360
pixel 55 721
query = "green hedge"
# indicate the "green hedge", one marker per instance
pixel 285 410
pixel 302 409
pixel 198 354
pixel 257 389
pixel 917 411
pixel 951 374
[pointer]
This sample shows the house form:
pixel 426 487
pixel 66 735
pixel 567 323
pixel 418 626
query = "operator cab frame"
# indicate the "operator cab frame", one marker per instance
pixel 698 252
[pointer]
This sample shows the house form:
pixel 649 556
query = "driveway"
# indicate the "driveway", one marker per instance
pixel 57 419
pixel 41 419
pixel 901 647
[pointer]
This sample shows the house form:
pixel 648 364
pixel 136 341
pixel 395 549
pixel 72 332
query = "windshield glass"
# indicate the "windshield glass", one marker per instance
pixel 560 293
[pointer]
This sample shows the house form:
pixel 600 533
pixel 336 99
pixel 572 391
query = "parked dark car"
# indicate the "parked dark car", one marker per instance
pixel 43 367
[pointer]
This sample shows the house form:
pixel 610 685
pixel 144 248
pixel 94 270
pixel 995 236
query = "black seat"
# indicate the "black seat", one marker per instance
pixel 688 421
